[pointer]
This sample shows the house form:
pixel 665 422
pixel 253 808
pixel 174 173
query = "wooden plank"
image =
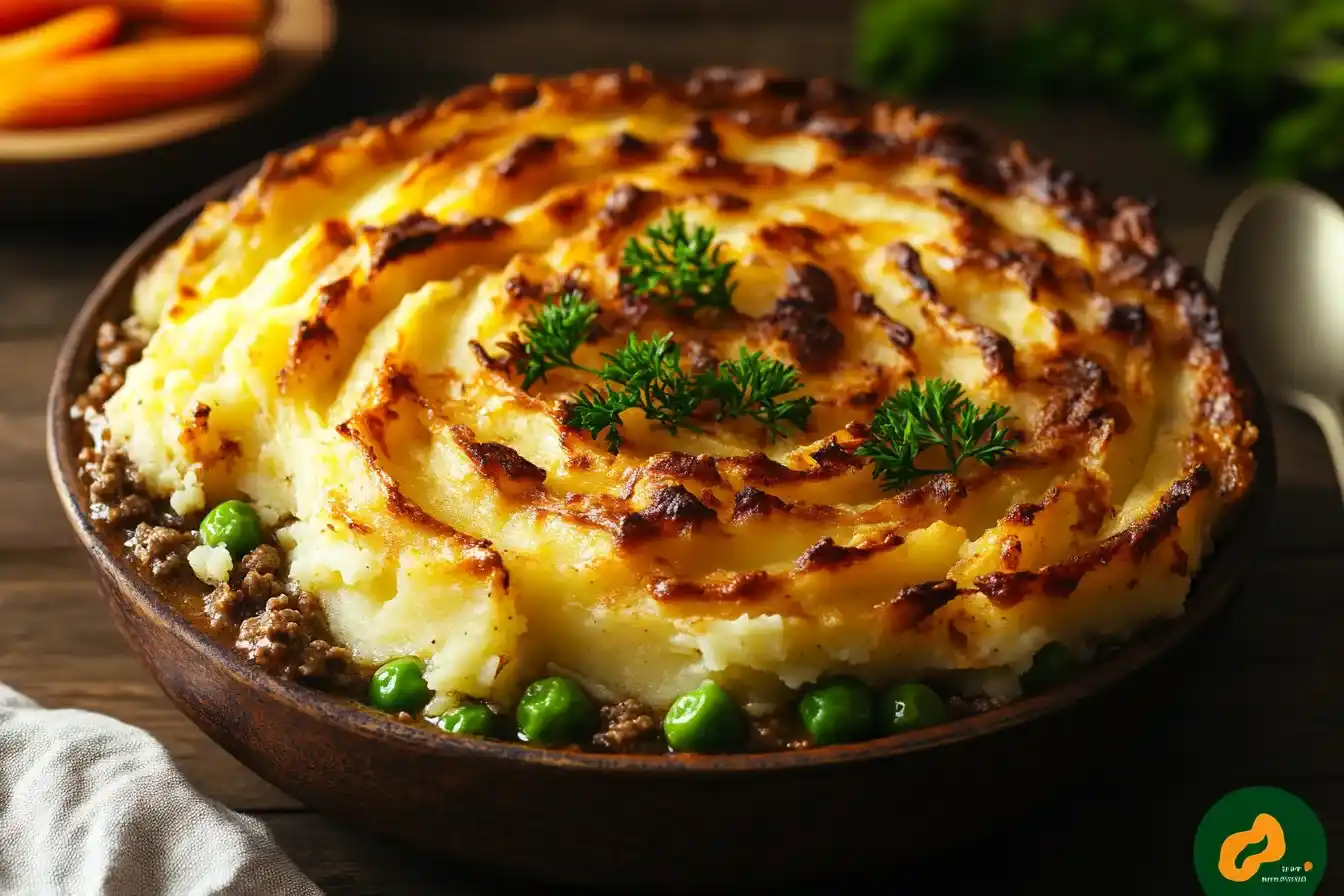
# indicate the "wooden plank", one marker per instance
pixel 27 364
pixel 1148 814
pixel 346 862
pixel 47 278
pixel 35 521
pixel 1265 701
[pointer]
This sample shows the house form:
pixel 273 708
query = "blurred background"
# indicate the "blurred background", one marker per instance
pixel 1239 88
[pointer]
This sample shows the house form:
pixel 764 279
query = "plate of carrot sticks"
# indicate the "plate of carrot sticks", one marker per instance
pixel 81 78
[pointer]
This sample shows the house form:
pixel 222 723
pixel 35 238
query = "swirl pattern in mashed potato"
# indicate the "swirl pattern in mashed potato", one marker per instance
pixel 325 347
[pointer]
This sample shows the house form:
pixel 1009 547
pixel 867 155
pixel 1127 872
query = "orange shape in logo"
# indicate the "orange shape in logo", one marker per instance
pixel 1266 827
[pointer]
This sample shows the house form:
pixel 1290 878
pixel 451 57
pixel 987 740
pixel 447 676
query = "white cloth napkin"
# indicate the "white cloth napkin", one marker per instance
pixel 90 805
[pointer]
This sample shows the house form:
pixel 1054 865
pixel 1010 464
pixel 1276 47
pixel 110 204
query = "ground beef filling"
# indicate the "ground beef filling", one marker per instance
pixel 628 727
pixel 116 494
pixel 251 585
pixel 160 550
pixel 289 638
pixel 773 733
pixel 278 627
pixel 118 347
pixel 272 623
pixel 961 706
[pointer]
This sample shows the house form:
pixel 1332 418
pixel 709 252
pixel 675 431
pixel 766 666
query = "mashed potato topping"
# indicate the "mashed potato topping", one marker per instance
pixel 327 346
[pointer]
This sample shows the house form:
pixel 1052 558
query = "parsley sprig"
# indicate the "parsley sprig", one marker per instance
pixel 647 374
pixel 553 334
pixel 939 414
pixel 644 374
pixel 753 386
pixel 678 268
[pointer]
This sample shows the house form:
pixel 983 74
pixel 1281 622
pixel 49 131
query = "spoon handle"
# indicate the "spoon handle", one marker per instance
pixel 1330 418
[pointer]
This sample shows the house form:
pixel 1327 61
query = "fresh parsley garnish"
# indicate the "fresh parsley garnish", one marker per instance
pixel 647 374
pixel 678 268
pixel 752 386
pixel 553 334
pixel 644 374
pixel 596 410
pixel 939 414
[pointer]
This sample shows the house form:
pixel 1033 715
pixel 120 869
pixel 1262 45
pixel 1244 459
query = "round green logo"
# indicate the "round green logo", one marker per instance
pixel 1260 840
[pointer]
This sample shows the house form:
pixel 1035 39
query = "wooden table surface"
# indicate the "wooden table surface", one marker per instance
pixel 1265 709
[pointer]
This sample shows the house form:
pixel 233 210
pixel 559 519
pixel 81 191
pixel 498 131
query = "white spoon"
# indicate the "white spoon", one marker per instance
pixel 1277 261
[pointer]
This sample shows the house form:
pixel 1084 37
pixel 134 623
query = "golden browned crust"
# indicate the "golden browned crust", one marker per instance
pixel 1167 310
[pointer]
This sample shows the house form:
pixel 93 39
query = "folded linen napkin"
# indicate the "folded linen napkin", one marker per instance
pixel 90 805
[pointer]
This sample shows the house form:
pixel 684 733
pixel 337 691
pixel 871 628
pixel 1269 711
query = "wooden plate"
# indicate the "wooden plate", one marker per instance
pixel 664 822
pixel 46 171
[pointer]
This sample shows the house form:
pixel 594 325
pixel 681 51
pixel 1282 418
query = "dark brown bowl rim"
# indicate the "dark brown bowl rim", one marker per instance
pixel 1212 588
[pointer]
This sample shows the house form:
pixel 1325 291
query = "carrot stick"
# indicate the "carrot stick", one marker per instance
pixel 68 35
pixel 224 15
pixel 139 31
pixel 127 80
pixel 16 14
pixel 211 15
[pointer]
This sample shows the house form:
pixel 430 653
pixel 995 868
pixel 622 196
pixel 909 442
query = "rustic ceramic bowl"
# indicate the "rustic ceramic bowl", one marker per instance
pixel 597 819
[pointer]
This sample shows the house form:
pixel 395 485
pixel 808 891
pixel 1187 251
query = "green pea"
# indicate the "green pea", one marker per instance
pixel 1052 664
pixel 475 719
pixel 906 707
pixel 233 524
pixel 704 721
pixel 555 711
pixel 838 711
pixel 399 686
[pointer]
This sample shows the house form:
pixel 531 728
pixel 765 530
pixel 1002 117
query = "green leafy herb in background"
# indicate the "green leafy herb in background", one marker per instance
pixel 937 415
pixel 1222 78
